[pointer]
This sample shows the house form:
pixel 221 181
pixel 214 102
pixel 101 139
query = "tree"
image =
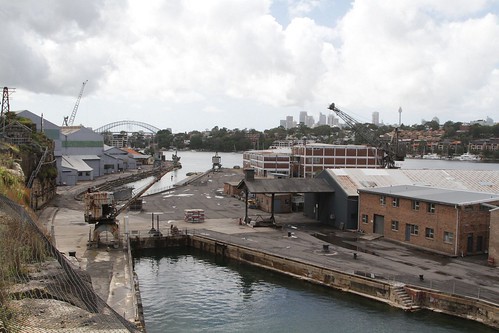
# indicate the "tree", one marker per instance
pixel 196 141
pixel 164 138
pixel 433 125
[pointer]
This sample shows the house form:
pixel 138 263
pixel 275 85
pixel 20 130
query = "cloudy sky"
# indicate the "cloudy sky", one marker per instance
pixel 192 65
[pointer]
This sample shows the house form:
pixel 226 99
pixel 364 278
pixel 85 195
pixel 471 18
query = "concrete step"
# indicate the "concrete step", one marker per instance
pixel 404 299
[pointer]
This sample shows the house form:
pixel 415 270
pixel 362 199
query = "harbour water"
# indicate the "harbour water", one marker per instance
pixel 193 161
pixel 184 291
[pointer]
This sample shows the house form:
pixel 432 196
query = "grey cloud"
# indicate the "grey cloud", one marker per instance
pixel 43 42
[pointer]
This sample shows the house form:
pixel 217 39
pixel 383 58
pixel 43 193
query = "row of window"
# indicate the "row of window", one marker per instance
pixel 430 207
pixel 415 204
pixel 429 232
pixel 414 230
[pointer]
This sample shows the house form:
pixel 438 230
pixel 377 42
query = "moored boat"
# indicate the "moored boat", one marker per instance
pixel 468 157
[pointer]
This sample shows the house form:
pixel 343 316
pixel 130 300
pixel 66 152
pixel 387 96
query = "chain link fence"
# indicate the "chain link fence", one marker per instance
pixel 40 290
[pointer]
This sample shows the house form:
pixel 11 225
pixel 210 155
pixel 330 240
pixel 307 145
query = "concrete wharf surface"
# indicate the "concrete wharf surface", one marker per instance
pixel 470 276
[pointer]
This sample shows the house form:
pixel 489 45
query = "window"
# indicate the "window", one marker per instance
pixel 448 237
pixel 395 225
pixel 414 229
pixel 415 205
pixel 431 207
pixel 429 233
pixel 382 200
pixel 395 202
pixel 365 218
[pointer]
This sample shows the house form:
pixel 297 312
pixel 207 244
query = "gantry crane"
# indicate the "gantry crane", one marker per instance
pixel 71 120
pixel 391 150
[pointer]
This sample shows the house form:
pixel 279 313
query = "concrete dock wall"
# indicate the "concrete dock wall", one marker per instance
pixel 464 307
pixel 380 290
pixel 297 269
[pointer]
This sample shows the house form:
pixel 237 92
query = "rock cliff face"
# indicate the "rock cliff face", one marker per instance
pixel 19 163
pixel 12 179
pixel 40 165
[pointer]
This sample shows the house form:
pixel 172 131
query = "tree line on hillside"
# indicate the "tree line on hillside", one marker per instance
pixel 227 140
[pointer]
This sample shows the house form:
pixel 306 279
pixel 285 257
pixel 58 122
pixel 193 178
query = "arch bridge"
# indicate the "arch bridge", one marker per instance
pixel 127 126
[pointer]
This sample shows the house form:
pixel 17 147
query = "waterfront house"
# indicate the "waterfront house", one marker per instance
pixel 451 222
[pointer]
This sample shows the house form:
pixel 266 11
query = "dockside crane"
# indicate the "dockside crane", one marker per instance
pixel 391 150
pixel 102 211
pixel 71 120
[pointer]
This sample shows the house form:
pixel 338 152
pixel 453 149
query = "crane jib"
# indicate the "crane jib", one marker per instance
pixel 391 150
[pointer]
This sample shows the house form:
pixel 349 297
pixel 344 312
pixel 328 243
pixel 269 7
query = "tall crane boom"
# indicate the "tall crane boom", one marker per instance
pixel 391 151
pixel 75 108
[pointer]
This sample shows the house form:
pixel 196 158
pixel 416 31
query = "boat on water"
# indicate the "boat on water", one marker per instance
pixel 468 157
pixel 431 156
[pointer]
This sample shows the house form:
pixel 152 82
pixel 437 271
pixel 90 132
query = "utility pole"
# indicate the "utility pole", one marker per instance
pixel 5 104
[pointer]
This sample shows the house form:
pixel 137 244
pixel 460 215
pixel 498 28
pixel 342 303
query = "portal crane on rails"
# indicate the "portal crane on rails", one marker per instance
pixel 101 208
pixel 391 150
pixel 71 120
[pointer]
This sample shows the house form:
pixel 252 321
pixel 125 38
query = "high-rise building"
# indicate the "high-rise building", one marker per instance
pixel 330 119
pixel 303 117
pixel 322 119
pixel 310 121
pixel 375 119
pixel 289 122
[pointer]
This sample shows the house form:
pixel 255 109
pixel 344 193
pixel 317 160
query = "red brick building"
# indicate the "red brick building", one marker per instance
pixel 305 161
pixel 315 157
pixel 445 221
pixel 493 258
pixel 268 162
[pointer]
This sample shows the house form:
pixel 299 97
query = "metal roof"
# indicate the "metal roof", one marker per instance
pixel 433 194
pixel 467 180
pixel 75 163
pixel 86 157
pixel 289 185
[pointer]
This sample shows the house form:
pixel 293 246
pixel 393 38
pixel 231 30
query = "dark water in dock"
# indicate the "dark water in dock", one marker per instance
pixel 185 291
